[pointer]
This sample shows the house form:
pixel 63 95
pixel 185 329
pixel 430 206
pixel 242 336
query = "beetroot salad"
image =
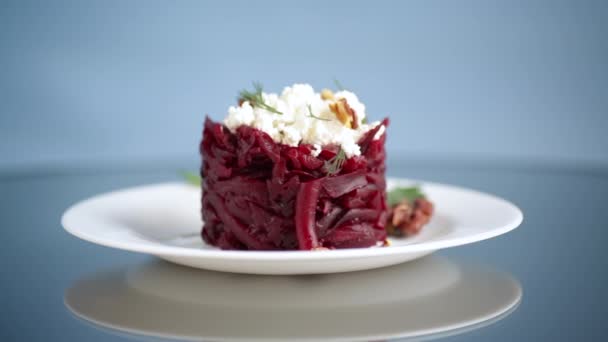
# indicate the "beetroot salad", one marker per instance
pixel 299 170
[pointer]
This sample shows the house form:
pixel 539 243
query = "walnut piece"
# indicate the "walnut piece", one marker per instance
pixel 327 94
pixel 407 218
pixel 344 113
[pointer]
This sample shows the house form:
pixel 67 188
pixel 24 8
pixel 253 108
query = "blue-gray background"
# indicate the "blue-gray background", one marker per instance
pixel 115 81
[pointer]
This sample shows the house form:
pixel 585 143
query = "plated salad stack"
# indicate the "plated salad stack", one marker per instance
pixel 301 170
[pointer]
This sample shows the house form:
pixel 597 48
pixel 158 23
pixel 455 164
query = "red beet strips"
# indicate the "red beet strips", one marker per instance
pixel 260 195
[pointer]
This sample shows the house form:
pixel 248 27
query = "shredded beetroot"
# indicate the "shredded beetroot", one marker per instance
pixel 306 205
pixel 260 195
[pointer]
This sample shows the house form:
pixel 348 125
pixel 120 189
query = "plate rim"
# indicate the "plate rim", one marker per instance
pixel 159 249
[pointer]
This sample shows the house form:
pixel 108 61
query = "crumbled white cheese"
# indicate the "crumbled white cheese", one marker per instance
pixel 380 132
pixel 316 150
pixel 296 125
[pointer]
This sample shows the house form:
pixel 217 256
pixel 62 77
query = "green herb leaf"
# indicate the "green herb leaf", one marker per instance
pixel 339 85
pixel 364 121
pixel 191 178
pixel 256 99
pixel 334 165
pixel 397 195
pixel 314 116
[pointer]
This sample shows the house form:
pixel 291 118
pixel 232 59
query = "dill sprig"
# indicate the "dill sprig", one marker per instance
pixel 398 195
pixel 191 178
pixel 256 99
pixel 339 85
pixel 310 114
pixel 334 165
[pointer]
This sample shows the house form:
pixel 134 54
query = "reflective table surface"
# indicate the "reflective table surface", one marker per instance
pixel 546 280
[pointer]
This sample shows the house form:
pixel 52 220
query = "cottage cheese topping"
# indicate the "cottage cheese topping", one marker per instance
pixel 296 125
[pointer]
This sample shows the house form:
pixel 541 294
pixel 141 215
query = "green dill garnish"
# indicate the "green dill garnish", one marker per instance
pixel 339 85
pixel 310 114
pixel 334 165
pixel 191 178
pixel 364 121
pixel 398 195
pixel 256 99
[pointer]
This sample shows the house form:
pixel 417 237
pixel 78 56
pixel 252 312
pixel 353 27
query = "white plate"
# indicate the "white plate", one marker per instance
pixel 427 298
pixel 164 220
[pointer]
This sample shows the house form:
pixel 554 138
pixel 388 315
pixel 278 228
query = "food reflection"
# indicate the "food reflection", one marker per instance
pixel 429 296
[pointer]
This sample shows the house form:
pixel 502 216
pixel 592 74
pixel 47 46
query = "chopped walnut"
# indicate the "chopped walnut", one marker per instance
pixel 408 218
pixel 327 94
pixel 344 113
